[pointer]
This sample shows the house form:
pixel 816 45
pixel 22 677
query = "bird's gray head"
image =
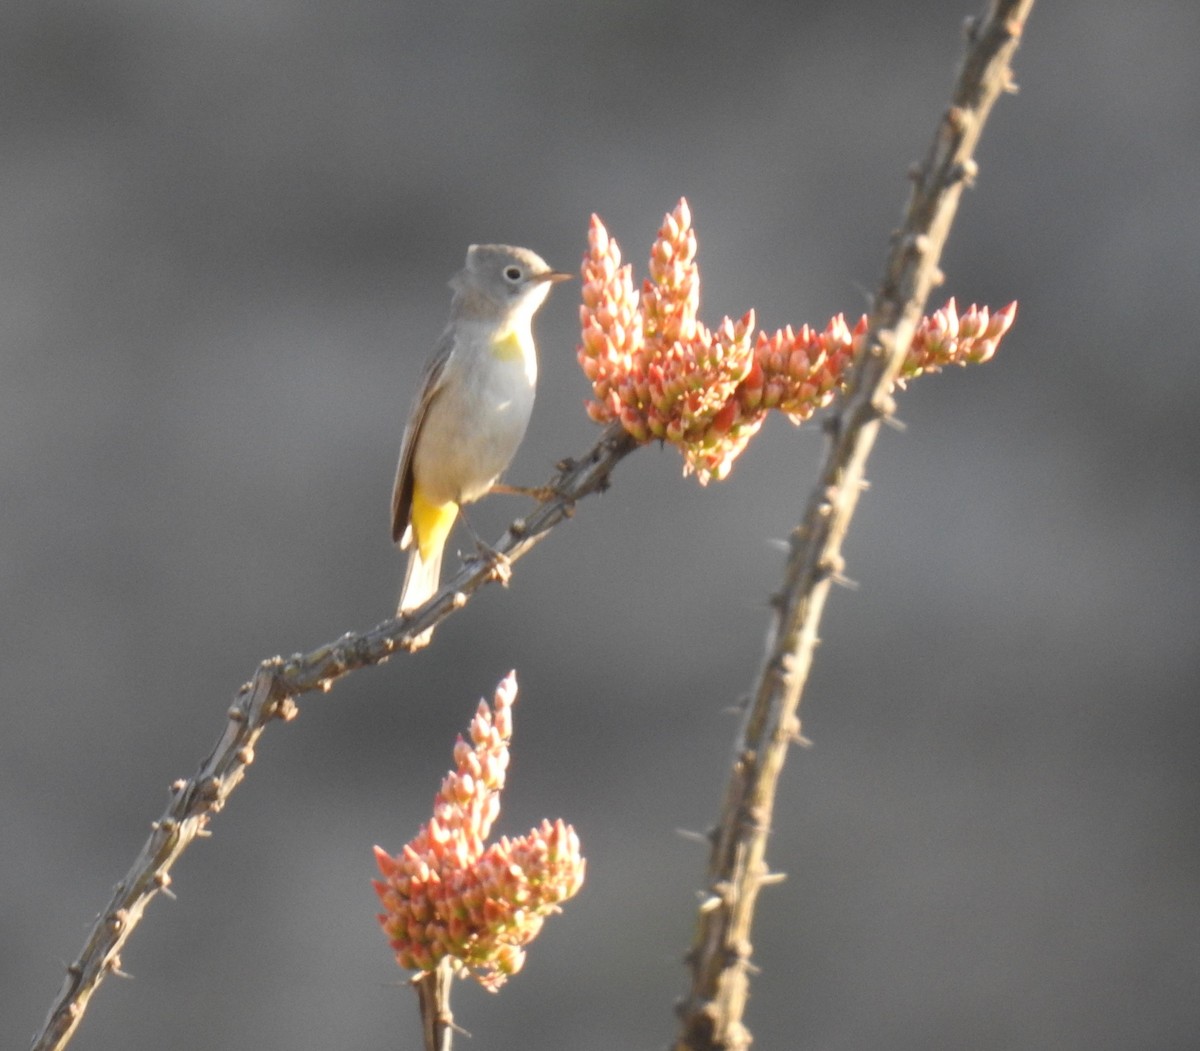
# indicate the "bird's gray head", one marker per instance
pixel 504 277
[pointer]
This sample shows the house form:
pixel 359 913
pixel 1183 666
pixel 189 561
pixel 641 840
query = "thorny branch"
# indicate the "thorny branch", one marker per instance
pixel 270 695
pixel 719 959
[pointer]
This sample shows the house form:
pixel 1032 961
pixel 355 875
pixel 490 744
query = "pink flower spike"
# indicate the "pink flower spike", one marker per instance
pixel 447 894
pixel 657 369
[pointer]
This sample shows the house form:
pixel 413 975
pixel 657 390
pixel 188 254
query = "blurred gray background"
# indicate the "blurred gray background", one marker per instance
pixel 225 234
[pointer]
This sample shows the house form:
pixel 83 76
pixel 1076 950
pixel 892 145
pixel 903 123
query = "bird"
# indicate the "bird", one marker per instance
pixel 471 410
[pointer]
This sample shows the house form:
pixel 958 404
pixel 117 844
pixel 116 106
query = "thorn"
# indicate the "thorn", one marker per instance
pixel 895 422
pixel 844 581
pixel 711 904
pixel 769 879
pixel 779 543
pixel 832 566
pixel 692 836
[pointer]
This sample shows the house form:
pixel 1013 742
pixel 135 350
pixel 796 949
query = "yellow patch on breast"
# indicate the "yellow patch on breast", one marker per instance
pixel 509 346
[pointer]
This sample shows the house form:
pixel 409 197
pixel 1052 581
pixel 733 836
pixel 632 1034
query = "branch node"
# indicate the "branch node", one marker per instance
pixel 958 119
pixel 917 244
pixel 965 171
pixel 284 709
pixel 788 730
pixel 738 952
pixel 884 405
pixel 831 565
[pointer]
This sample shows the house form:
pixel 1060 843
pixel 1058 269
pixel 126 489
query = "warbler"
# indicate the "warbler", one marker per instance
pixel 472 409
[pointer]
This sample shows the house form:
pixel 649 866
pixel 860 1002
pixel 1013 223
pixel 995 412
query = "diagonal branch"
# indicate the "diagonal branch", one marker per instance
pixel 719 959
pixel 269 695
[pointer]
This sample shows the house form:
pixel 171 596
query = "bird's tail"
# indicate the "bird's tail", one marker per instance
pixel 420 582
pixel 431 525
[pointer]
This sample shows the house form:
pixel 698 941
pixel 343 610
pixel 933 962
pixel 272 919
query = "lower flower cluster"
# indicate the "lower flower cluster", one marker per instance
pixel 447 895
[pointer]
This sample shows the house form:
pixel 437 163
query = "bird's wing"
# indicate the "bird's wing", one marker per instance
pixel 431 381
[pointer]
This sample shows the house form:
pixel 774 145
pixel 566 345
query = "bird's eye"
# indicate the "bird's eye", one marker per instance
pixel 513 273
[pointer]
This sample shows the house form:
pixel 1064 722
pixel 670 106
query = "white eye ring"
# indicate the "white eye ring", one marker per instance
pixel 513 273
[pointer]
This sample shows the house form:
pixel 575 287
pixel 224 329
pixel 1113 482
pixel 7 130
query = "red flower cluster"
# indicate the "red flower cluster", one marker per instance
pixel 447 894
pixel 666 376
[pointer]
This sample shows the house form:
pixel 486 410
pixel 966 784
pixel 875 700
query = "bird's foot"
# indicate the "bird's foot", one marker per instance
pixel 499 565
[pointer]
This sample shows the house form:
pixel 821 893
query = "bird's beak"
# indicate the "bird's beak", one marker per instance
pixel 554 276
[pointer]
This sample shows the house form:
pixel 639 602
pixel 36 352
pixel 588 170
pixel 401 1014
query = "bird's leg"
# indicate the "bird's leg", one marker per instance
pixel 541 493
pixel 498 564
